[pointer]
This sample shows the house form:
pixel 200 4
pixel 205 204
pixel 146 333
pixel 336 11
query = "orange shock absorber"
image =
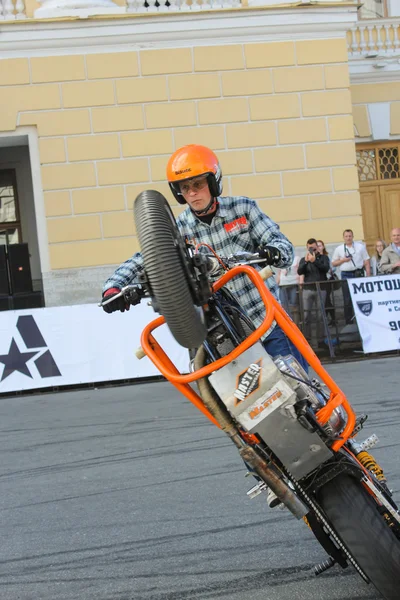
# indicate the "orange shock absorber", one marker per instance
pixel 369 462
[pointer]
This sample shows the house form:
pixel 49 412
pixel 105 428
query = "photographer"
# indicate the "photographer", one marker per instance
pixel 314 267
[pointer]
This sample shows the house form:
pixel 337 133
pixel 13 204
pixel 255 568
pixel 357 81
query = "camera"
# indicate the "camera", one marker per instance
pixel 311 250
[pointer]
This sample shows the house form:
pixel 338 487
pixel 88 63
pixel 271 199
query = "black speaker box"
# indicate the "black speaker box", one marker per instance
pixel 20 268
pixel 6 303
pixel 30 300
pixel 4 285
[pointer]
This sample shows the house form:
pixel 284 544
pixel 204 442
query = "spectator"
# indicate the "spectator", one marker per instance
pixel 390 262
pixel 352 259
pixel 330 311
pixel 288 280
pixel 314 266
pixel 380 245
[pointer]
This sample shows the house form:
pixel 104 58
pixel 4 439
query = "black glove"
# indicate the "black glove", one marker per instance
pixel 272 255
pixel 117 304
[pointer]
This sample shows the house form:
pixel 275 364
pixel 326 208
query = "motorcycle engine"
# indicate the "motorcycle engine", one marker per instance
pixel 292 369
pixel 315 396
pixel 263 396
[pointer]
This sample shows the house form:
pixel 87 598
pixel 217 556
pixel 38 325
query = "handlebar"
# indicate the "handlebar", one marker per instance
pixel 239 259
pixel 215 266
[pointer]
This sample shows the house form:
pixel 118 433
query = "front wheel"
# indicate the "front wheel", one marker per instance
pixel 164 258
pixel 354 515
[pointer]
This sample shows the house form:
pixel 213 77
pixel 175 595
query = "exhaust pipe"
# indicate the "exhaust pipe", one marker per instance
pixel 274 482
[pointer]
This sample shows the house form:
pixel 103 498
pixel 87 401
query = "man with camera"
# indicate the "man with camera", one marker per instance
pixel 352 260
pixel 314 267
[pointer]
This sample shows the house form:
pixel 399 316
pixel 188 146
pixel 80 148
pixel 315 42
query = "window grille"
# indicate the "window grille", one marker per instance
pixel 366 164
pixel 378 163
pixel 388 163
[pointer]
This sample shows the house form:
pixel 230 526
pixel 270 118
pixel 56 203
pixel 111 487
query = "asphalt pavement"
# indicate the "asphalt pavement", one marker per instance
pixel 128 493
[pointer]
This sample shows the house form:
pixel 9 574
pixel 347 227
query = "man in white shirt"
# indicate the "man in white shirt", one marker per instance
pixel 352 260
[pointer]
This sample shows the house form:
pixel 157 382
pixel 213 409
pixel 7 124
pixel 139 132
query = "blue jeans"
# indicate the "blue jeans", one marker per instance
pixel 278 344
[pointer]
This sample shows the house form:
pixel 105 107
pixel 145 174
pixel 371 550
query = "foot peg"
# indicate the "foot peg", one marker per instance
pixel 324 566
pixel 257 489
pixel 369 443
pixel 272 498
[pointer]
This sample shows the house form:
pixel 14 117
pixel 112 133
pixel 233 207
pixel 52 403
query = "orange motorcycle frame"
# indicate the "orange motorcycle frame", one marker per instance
pixel 273 311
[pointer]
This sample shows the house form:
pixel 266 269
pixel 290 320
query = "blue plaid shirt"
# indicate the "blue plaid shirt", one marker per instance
pixel 239 225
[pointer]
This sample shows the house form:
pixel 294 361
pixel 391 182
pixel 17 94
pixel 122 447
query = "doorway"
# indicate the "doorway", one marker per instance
pixel 379 176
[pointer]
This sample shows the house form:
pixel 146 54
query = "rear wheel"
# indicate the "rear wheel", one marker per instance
pixel 354 515
pixel 164 261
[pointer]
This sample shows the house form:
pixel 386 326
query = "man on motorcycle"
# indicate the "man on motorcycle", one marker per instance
pixel 229 225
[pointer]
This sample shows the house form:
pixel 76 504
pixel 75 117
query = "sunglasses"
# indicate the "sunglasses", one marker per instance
pixel 195 185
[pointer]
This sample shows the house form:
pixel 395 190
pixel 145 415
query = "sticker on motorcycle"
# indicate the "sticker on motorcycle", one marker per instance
pixel 248 381
pixel 264 403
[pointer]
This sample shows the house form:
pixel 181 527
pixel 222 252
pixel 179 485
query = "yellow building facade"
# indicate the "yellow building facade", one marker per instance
pixel 269 92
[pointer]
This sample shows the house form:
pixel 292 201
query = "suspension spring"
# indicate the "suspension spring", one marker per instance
pixel 369 462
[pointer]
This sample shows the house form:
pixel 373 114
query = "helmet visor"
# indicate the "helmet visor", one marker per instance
pixel 194 184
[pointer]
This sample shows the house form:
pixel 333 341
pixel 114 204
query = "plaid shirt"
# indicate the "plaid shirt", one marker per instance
pixel 239 225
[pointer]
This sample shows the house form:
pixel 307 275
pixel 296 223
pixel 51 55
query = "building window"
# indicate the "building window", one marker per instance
pixel 10 225
pixel 379 163
pixel 373 9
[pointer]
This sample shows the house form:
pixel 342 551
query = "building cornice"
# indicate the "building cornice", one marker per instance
pixel 122 32
pixel 374 76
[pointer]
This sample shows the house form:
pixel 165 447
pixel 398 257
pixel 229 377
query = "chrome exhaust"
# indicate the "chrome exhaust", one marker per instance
pixel 274 482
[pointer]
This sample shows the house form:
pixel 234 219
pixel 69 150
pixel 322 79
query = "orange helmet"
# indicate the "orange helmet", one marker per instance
pixel 192 161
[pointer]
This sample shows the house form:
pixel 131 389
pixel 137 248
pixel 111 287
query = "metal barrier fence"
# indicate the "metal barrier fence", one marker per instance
pixel 324 313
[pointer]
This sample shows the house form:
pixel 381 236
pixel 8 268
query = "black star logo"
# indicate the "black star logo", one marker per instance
pixel 16 361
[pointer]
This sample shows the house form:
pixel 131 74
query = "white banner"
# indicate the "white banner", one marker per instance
pixel 68 345
pixel 376 302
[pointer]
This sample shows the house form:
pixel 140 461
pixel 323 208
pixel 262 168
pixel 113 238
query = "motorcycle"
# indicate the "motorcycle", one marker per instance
pixel 296 435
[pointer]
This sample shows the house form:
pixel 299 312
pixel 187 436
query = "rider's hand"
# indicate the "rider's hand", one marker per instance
pixel 272 255
pixel 117 304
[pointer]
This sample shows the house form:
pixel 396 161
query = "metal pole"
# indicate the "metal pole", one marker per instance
pixel 324 320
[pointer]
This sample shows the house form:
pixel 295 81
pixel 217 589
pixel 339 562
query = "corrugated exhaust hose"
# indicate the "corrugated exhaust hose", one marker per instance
pixel 209 396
